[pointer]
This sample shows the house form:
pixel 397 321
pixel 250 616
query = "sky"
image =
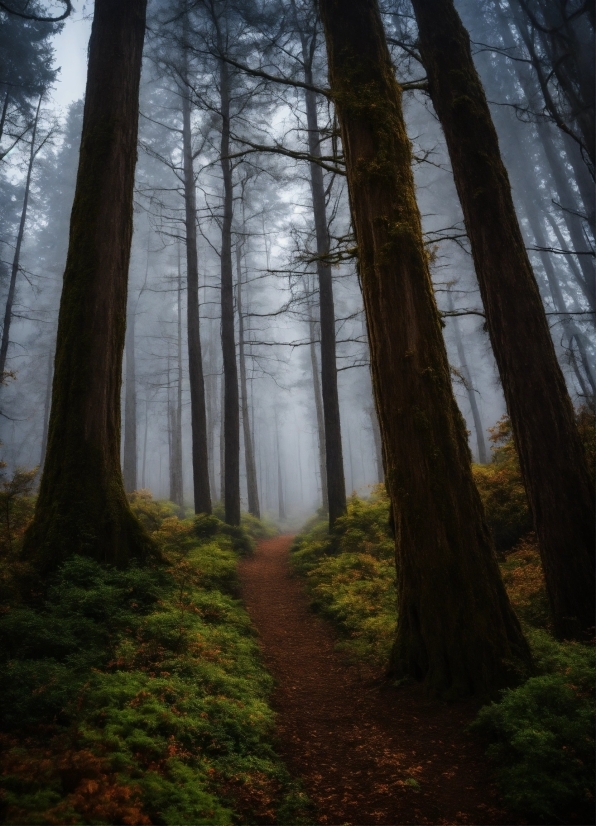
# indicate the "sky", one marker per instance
pixel 71 55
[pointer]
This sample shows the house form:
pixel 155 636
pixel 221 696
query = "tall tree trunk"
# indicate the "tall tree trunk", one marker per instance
pixel 17 251
pixel 130 410
pixel 82 507
pixel 198 415
pixel 176 479
pixel 222 439
pixel 336 485
pixel 319 412
pixel 228 339
pixel 281 502
pixel 456 628
pixel 249 456
pixel 211 411
pixel 551 455
pixel 467 376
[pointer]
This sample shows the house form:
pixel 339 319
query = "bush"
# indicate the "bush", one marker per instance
pixel 502 490
pixel 351 575
pixel 541 735
pixel 524 579
pixel 138 696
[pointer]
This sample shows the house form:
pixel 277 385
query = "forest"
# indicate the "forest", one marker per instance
pixel 297 412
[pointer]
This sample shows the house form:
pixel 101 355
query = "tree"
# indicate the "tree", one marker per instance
pixel 34 150
pixel 82 506
pixel 200 456
pixel 551 454
pixel 249 453
pixel 456 628
pixel 25 73
pixel 334 463
pixel 228 338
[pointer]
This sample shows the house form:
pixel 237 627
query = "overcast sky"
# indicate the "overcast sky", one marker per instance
pixel 71 55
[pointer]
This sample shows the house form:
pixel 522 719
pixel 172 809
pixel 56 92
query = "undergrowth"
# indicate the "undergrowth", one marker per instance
pixel 540 735
pixel 351 575
pixel 138 696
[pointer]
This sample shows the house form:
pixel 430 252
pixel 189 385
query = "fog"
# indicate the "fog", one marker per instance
pixel 274 251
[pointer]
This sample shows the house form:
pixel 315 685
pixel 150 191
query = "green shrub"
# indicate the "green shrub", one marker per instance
pixel 242 542
pixel 350 575
pixel 261 528
pixel 205 526
pixel 138 696
pixel 524 579
pixel 541 734
pixel 502 490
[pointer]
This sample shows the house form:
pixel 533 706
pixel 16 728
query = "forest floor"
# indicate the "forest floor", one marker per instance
pixel 366 753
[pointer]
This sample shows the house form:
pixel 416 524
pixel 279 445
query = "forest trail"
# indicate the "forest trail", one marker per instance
pixel 366 754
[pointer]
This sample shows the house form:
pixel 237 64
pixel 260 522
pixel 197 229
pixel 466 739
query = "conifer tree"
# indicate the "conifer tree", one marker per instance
pixel 456 629
pixel 82 506
pixel 551 455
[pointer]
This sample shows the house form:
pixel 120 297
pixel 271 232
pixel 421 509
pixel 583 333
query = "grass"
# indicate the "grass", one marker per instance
pixel 139 696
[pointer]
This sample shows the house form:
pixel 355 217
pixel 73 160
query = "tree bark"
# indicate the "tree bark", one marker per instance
pixel 249 455
pixel 463 362
pixel 551 455
pixel 130 411
pixel 228 339
pixel 456 629
pixel 82 507
pixel 198 415
pixel 17 251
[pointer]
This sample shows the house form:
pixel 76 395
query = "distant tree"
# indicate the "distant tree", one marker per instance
pixel 551 454
pixel 26 71
pixel 82 506
pixel 456 630
pixel 307 25
pixel 249 454
pixel 559 39
pixel 34 149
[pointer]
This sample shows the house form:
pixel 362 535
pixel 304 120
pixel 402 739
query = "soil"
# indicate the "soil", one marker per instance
pixel 366 752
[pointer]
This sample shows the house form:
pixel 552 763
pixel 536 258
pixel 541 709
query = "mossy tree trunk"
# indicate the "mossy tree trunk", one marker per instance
pixel 552 458
pixel 82 507
pixel 456 629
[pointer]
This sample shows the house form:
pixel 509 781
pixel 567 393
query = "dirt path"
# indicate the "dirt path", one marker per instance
pixel 366 754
